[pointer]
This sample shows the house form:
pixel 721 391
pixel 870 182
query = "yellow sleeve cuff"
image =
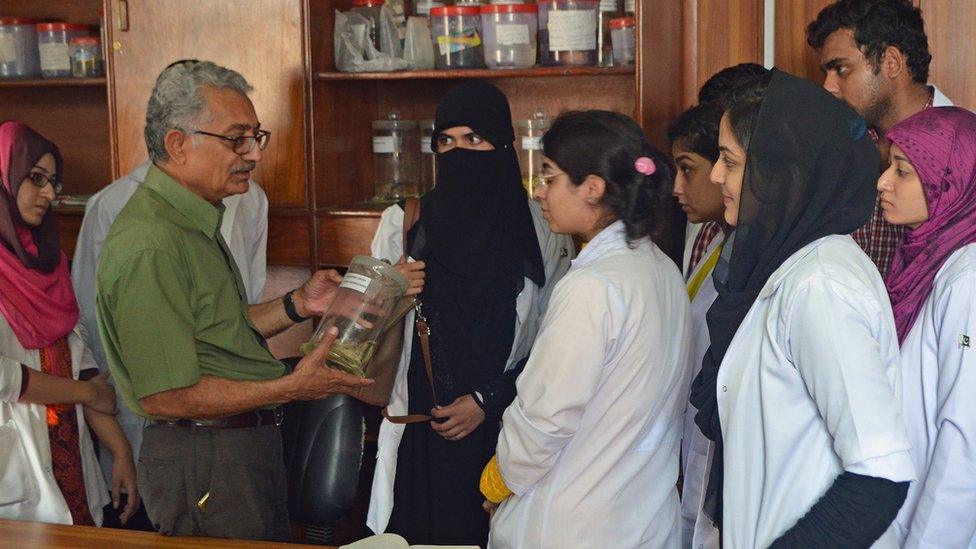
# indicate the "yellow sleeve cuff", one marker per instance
pixel 492 484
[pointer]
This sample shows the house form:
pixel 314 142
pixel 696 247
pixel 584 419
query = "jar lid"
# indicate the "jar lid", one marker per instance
pixel 427 125
pixel 382 268
pixel 622 22
pixel 442 11
pixel 85 41
pixel 394 124
pixel 61 26
pixel 17 21
pixel 360 3
pixel 510 8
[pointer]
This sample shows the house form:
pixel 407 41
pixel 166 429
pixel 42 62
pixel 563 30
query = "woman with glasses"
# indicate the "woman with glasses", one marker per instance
pixel 589 449
pixel 50 470
pixel 930 188
pixel 490 264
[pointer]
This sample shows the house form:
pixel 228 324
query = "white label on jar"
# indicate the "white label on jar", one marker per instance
pixel 7 52
pixel 512 35
pixel 54 56
pixel 385 144
pixel 356 282
pixel 532 143
pixel 425 145
pixel 572 30
pixel 629 6
pixel 608 5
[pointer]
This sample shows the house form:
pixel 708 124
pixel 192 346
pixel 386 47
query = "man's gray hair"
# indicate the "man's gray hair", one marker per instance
pixel 177 100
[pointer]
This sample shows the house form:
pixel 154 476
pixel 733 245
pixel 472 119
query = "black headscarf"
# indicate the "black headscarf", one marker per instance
pixel 810 172
pixel 477 237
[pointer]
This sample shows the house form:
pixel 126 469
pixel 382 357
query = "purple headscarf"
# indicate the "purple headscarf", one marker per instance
pixel 941 145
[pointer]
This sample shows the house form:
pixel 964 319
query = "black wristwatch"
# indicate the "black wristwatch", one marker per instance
pixel 290 309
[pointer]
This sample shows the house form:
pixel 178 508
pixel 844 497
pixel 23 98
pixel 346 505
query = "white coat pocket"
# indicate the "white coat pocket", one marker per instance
pixel 17 483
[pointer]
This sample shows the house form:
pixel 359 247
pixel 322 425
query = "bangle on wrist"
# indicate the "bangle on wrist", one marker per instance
pixel 290 310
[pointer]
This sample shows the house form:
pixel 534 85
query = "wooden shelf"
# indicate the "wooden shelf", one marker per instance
pixel 532 72
pixel 361 209
pixel 51 82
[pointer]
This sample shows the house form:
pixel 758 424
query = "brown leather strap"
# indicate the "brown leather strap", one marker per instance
pixel 411 213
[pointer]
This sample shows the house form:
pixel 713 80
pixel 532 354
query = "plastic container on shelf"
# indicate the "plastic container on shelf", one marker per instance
pixel 428 160
pixel 423 7
pixel 568 32
pixel 510 35
pixel 362 305
pixel 18 48
pixel 530 152
pixel 609 9
pixel 457 37
pixel 372 11
pixel 86 57
pixel 53 40
pixel 396 158
pixel 624 36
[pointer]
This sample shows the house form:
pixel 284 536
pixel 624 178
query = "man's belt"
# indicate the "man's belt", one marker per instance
pixel 254 418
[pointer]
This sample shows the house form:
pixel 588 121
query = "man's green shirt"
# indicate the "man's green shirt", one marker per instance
pixel 170 300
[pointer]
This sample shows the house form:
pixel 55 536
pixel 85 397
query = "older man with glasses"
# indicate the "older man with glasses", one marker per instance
pixel 186 350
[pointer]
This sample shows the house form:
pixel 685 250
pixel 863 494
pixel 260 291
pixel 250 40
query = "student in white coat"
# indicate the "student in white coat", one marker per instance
pixel 48 469
pixel 589 448
pixel 799 389
pixel 930 188
pixel 490 265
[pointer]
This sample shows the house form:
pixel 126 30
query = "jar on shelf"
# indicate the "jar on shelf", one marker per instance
pixel 510 35
pixel 457 38
pixel 623 31
pixel 362 305
pixel 568 32
pixel 609 10
pixel 530 153
pixel 428 160
pixel 86 57
pixel 396 158
pixel 53 41
pixel 18 48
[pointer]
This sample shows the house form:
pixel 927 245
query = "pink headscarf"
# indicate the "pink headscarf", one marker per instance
pixel 941 145
pixel 36 297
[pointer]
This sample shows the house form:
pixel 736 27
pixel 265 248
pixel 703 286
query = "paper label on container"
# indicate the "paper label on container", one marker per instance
pixel 355 282
pixel 532 143
pixel 512 35
pixel 608 5
pixel 425 145
pixel 629 6
pixel 54 56
pixel 386 144
pixel 7 52
pixel 572 30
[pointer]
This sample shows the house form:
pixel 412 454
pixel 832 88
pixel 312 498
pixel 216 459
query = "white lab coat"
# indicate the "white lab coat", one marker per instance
pixel 244 228
pixel 590 445
pixel 939 374
pixel 28 489
pixel 809 388
pixel 696 449
pixel 557 252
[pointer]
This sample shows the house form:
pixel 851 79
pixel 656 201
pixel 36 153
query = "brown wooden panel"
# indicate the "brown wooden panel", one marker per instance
pixel 263 40
pixel 76 120
pixel 342 237
pixel 725 33
pixel 659 59
pixel 289 237
pixel 69 223
pixel 951 27
pixel 792 52
pixel 72 11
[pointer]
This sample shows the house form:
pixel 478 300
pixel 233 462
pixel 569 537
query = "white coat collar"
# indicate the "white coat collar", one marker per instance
pixel 938 98
pixel 612 238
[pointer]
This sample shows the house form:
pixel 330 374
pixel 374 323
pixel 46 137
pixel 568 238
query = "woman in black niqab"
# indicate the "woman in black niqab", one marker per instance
pixel 477 238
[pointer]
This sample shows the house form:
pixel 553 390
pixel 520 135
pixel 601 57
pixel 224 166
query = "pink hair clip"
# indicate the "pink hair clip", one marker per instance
pixel 645 165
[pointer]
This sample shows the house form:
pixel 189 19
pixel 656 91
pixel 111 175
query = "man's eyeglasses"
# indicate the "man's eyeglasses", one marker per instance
pixel 40 181
pixel 243 144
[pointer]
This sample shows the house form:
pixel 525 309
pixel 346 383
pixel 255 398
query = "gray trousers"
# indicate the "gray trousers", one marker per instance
pixel 242 470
